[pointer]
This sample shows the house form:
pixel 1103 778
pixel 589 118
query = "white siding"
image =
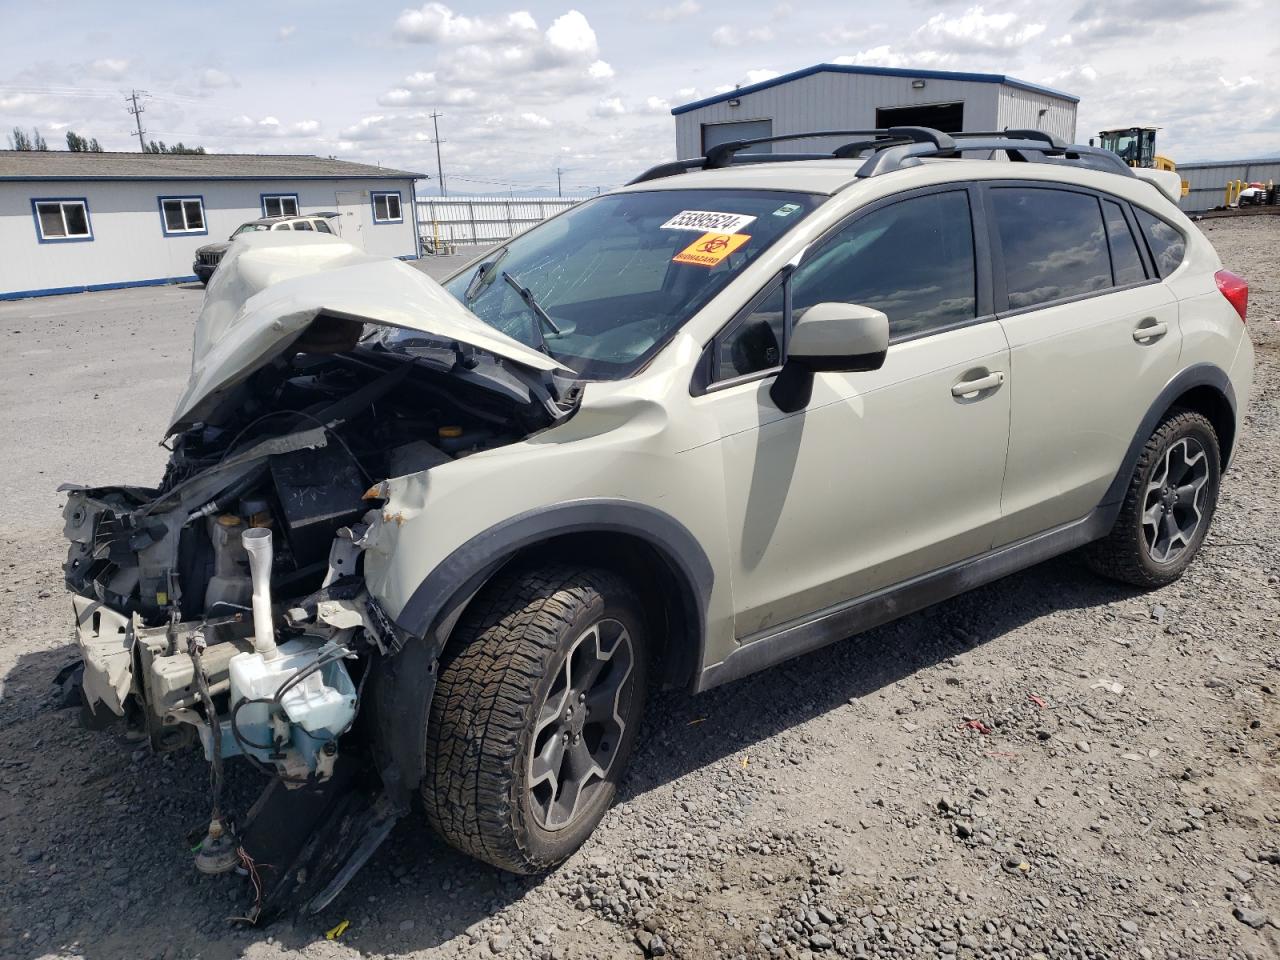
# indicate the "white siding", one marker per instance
pixel 844 101
pixel 129 246
pixel 1020 109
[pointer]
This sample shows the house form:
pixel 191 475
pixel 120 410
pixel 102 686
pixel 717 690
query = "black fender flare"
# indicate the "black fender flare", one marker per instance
pixel 1197 375
pixel 402 685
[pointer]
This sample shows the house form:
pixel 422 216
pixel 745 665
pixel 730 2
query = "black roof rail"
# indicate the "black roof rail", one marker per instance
pixel 896 147
pixel 1014 134
pixel 720 155
pixel 894 158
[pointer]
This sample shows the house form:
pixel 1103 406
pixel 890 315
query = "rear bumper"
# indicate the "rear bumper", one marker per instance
pixel 203 271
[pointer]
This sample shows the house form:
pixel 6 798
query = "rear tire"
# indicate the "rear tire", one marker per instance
pixel 1168 505
pixel 521 764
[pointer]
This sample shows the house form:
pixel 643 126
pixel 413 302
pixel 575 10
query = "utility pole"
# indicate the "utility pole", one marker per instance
pixel 558 191
pixel 435 124
pixel 137 111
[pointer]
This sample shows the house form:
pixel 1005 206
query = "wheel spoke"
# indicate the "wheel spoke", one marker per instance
pixel 547 763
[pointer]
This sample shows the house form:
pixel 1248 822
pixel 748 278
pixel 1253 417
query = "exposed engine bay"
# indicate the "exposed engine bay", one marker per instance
pixel 226 605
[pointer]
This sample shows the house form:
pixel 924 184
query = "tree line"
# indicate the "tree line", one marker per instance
pixel 19 139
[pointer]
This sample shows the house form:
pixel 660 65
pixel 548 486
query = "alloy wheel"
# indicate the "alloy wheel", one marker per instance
pixel 1173 505
pixel 580 725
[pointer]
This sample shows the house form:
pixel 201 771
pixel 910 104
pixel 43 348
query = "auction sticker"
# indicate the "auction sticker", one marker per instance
pixel 705 220
pixel 710 248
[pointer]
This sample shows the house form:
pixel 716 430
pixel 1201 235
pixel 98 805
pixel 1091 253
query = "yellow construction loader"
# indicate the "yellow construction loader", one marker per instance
pixel 1136 146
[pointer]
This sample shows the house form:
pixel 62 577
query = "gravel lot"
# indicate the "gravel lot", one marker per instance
pixel 1051 766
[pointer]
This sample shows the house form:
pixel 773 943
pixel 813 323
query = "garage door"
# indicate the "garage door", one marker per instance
pixel 714 134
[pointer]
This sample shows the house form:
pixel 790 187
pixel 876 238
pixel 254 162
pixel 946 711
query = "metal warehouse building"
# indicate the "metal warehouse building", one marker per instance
pixel 71 222
pixel 833 96
pixel 1208 180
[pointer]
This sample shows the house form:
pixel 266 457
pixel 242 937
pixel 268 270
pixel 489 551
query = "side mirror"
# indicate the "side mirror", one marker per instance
pixel 828 337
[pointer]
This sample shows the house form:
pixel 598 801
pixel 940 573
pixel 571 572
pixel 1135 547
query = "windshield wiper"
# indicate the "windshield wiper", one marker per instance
pixel 527 296
pixel 482 277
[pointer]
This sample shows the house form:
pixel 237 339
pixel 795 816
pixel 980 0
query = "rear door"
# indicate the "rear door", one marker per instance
pixel 1093 338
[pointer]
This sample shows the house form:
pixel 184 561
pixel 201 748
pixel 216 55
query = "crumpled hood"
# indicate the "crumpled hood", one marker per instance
pixel 270 287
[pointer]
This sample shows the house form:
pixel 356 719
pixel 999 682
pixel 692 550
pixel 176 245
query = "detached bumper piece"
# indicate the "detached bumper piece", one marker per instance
pixel 302 846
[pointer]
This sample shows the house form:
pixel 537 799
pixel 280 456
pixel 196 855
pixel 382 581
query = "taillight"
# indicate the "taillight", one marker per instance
pixel 1235 289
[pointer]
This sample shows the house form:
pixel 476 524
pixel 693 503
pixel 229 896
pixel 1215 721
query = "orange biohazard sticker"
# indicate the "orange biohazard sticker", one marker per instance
pixel 710 248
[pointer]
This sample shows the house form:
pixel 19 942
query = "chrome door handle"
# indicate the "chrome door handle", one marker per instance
pixel 1150 329
pixel 966 388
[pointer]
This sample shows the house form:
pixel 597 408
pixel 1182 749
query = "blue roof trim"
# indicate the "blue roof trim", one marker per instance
pixel 873 72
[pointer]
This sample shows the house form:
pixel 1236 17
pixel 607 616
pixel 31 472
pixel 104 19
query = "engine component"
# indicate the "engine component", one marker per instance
pixel 319 491
pixel 257 543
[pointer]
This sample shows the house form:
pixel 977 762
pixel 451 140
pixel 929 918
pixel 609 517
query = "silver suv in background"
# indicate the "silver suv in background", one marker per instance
pixel 438 541
pixel 210 255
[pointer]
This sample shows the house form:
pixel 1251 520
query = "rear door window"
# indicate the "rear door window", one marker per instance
pixel 1166 244
pixel 1054 244
pixel 1126 264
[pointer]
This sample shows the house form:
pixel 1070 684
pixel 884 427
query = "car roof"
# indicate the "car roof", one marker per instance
pixel 296 216
pixel 828 177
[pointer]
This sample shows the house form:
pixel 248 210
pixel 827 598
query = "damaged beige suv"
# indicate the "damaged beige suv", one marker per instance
pixel 438 541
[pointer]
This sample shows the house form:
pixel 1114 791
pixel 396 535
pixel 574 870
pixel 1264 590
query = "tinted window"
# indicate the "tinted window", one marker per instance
pixel 756 343
pixel 1053 242
pixel 1126 264
pixel 619 274
pixel 913 259
pixel 1165 243
pixel 322 227
pixel 302 225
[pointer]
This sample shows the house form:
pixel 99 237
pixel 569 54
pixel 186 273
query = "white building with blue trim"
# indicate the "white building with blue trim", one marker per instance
pixel 837 96
pixel 71 222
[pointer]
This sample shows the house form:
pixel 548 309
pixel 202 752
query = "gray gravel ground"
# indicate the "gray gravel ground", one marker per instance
pixel 1051 766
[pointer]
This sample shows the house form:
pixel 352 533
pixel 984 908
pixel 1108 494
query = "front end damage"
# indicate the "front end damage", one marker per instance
pixel 225 608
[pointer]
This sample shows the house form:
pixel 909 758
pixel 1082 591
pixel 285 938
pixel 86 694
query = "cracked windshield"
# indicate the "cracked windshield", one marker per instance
pixel 602 287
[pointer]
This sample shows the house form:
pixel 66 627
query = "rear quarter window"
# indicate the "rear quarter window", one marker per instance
pixel 1167 244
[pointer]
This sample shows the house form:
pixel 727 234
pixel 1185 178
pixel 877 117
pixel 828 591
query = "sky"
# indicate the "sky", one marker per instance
pixel 526 89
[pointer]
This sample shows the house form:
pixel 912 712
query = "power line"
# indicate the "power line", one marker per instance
pixel 137 110
pixel 435 125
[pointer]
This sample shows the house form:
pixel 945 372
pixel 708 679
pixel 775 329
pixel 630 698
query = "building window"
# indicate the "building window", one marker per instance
pixel 59 221
pixel 182 215
pixel 279 204
pixel 386 208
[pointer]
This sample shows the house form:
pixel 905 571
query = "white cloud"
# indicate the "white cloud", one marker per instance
pixel 759 76
pixel 109 68
pixel 481 56
pixel 572 35
pixel 284 33
pixel 731 36
pixel 676 11
pixel 655 105
pixel 436 23
pixel 212 78
pixel 885 56
pixel 975 30
pixel 609 107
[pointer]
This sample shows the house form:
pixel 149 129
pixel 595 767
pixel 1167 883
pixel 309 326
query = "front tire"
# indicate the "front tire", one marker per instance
pixel 1168 506
pixel 535 714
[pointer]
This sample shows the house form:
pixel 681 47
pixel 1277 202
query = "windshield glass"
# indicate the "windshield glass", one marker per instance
pixel 249 228
pixel 603 286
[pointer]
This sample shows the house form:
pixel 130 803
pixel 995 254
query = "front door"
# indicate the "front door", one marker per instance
pixel 356 218
pixel 1094 337
pixel 885 474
